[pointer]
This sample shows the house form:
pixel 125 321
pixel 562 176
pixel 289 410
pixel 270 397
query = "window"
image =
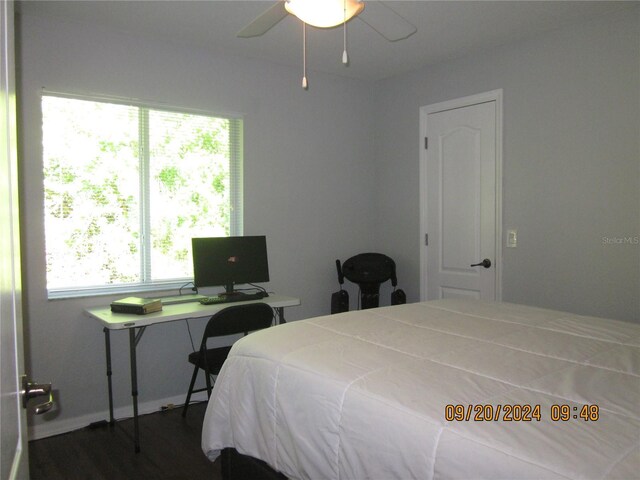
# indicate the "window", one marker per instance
pixel 127 186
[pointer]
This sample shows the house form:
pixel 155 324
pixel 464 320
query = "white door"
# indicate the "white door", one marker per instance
pixel 14 461
pixel 460 193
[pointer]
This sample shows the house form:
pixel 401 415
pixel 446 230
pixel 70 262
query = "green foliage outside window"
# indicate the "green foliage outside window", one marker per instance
pixel 127 187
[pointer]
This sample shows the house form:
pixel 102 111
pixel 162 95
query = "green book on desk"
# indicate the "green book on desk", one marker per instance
pixel 136 305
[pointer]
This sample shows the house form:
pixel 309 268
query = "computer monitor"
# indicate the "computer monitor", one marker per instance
pixel 229 261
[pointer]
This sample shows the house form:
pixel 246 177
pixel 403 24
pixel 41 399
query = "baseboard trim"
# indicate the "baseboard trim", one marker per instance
pixel 59 427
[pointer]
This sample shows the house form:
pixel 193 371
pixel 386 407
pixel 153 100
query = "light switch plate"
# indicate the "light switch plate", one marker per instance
pixel 512 238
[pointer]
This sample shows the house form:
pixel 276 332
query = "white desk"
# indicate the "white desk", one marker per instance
pixel 169 313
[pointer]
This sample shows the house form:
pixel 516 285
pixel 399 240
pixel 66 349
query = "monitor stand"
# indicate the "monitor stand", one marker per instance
pixel 230 293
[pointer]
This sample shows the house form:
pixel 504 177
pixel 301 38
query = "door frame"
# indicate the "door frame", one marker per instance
pixel 425 111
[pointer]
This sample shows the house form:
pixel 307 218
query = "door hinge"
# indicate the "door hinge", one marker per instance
pixel 426 143
pixel 426 239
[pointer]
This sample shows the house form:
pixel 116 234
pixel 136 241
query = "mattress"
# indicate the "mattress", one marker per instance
pixel 439 389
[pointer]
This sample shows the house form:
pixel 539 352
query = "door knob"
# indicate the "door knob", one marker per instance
pixel 486 263
pixel 33 390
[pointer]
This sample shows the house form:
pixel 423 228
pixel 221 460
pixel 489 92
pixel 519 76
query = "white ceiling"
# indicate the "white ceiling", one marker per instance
pixel 446 29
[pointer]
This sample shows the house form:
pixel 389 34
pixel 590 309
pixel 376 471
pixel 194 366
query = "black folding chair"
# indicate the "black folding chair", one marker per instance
pixel 232 320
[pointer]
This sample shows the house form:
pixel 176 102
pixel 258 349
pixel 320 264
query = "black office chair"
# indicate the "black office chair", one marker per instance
pixel 368 271
pixel 231 320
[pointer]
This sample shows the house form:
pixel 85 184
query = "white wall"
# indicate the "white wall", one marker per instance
pixel 571 163
pixel 308 185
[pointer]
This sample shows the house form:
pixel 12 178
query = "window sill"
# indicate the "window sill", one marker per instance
pixel 185 284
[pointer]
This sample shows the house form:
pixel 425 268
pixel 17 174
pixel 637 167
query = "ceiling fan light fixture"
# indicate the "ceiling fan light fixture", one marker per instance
pixel 324 13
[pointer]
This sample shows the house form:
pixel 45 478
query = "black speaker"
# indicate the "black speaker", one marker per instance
pixel 340 302
pixel 398 297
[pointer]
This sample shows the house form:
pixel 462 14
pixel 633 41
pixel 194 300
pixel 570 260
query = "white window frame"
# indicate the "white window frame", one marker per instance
pixel 236 219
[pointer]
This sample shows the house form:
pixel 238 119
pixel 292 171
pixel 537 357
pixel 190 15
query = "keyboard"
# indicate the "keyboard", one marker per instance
pixel 235 297
pixel 172 300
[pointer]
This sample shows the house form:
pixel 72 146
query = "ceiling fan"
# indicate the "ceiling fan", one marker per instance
pixel 330 13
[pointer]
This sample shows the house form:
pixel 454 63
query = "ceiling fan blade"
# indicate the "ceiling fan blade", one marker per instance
pixel 264 22
pixel 384 20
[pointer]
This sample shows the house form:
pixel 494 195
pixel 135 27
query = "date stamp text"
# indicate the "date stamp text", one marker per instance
pixel 519 413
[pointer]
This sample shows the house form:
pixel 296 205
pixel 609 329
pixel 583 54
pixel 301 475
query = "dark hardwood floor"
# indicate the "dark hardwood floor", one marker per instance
pixel 170 449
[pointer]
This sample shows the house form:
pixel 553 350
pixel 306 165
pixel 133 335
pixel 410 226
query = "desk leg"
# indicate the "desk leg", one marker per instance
pixel 107 344
pixel 134 388
pixel 280 311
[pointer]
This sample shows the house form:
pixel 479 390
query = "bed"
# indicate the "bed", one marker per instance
pixel 440 389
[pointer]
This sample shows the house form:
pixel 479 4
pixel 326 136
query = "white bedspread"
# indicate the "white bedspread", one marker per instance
pixel 363 394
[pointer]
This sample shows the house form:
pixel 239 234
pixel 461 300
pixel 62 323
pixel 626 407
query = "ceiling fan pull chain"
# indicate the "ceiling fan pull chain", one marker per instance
pixel 345 57
pixel 305 85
